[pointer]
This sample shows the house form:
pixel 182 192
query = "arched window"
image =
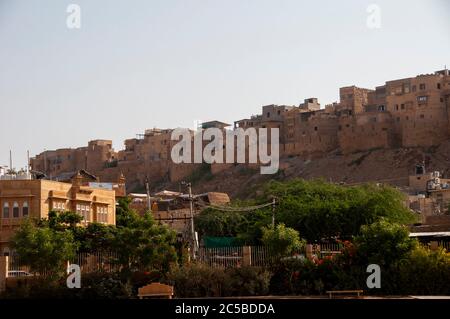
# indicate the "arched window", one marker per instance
pixel 16 210
pixel 5 210
pixel 25 209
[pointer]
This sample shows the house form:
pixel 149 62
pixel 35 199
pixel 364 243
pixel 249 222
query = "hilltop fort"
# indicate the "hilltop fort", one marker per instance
pixel 401 114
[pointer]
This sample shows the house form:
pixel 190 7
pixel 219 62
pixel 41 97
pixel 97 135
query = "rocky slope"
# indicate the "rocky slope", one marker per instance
pixel 391 166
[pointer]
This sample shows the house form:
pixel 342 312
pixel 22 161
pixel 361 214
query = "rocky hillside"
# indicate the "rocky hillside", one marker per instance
pixel 391 166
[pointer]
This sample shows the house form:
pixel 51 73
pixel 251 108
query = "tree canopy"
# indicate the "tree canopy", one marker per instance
pixel 139 242
pixel 384 243
pixel 44 249
pixel 317 209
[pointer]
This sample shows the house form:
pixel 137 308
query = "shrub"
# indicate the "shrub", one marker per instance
pixel 384 244
pixel 282 240
pixel 246 281
pixel 425 272
pixel 93 286
pixel 198 280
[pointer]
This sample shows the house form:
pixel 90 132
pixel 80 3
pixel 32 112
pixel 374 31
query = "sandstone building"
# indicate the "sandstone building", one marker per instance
pixel 411 112
pixel 34 198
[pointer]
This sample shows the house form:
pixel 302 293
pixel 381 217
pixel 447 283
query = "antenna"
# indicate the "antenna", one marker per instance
pixel 10 161
pixel 28 161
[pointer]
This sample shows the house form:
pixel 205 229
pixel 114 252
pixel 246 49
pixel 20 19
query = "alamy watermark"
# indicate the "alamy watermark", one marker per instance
pixel 73 20
pixel 238 144
pixel 74 276
pixel 374 279
pixel 374 18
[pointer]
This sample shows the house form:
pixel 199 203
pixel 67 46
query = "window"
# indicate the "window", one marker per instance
pixel 84 210
pixel 422 99
pixel 406 88
pixel 439 86
pixel 396 107
pixel 25 209
pixel 402 106
pixel 15 210
pixel 279 112
pixel 414 88
pixel 268 114
pixel 315 128
pixel 422 116
pixel 102 214
pixel 59 205
pixel 5 210
pixel 422 86
pixel 442 100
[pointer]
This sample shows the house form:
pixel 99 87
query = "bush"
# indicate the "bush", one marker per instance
pixel 93 286
pixel 198 280
pixel 282 240
pixel 246 281
pixel 384 244
pixel 103 286
pixel 425 272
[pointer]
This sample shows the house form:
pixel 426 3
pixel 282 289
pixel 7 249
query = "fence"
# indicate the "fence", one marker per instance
pixel 227 257
pixel 444 244
pixel 97 262
pixel 224 257
pixel 88 262
pixel 221 257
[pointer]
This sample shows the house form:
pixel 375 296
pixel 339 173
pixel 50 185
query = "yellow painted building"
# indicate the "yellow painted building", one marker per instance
pixel 20 199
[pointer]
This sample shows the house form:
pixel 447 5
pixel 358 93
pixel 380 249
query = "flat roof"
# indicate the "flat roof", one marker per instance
pixel 431 234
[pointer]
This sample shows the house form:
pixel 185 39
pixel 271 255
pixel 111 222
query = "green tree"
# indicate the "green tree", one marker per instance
pixel 281 240
pixel 384 243
pixel 124 214
pixel 246 226
pixel 323 210
pixel 95 237
pixel 144 244
pixel 63 220
pixel 45 250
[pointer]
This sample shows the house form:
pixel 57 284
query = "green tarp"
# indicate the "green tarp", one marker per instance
pixel 217 242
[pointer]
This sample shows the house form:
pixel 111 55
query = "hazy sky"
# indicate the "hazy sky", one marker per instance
pixel 141 64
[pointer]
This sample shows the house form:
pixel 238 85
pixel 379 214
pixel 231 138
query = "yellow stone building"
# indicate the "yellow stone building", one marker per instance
pixel 34 198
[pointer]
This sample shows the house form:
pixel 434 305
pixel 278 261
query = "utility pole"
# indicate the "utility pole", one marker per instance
pixel 149 200
pixel 273 212
pixel 191 211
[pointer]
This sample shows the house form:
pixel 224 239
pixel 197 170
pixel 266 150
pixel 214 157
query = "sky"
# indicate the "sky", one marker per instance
pixel 134 65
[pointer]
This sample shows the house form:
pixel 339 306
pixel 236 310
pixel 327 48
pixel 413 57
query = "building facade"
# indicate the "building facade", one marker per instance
pixel 411 112
pixel 35 198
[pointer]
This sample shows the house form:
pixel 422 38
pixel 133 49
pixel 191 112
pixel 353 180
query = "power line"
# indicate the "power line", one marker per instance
pixel 238 209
